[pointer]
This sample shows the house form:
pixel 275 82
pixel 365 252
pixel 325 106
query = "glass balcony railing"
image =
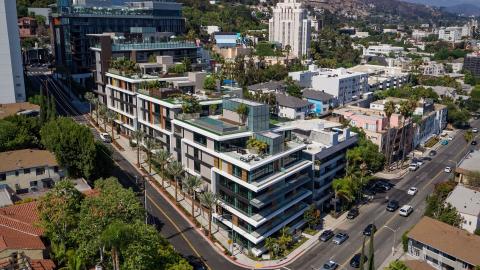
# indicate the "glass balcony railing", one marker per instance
pixel 263 199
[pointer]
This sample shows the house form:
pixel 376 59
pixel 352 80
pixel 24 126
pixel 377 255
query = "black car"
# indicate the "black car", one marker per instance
pixel 355 261
pixel 196 262
pixel 392 205
pixel 326 235
pixel 371 228
pixel 474 143
pixel 353 213
pixel 432 153
pixel 385 184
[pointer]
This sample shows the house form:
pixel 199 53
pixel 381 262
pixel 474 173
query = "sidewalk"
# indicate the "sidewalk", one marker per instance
pixel 221 235
pixel 399 254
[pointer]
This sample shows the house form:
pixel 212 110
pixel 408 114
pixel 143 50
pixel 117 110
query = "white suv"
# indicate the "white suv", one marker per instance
pixel 406 210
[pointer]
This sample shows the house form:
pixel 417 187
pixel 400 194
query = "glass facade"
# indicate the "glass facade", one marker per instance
pixel 258 118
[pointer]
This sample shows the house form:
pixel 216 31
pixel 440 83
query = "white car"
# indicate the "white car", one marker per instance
pixel 419 163
pixel 412 191
pixel 475 130
pixel 406 210
pixel 413 167
pixel 450 138
pixel 105 137
pixel 448 169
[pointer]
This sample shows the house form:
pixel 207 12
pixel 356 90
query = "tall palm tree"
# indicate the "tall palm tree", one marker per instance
pixel 389 110
pixel 150 145
pixel 209 200
pixel 138 136
pixel 115 236
pixel 111 116
pixel 162 158
pixel 74 261
pixel 191 183
pixel 90 97
pixel 175 169
pixel 407 107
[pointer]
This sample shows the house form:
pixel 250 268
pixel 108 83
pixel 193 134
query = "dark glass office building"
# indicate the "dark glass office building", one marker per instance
pixel 71 24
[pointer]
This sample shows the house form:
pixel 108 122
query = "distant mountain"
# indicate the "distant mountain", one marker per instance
pixel 446 3
pixel 464 9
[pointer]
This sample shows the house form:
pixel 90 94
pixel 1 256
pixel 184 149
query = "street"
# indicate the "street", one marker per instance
pixel 424 179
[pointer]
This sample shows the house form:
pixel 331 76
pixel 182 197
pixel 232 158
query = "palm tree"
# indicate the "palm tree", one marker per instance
pixel 209 200
pixel 242 111
pixel 103 114
pixel 111 116
pixel 74 261
pixel 114 237
pixel 175 169
pixel 389 110
pixel 343 189
pixel 150 145
pixel 90 97
pixel 162 157
pixel 271 244
pixel 191 183
pixel 407 107
pixel 138 136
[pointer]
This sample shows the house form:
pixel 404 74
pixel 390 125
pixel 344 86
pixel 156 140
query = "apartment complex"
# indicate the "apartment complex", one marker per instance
pixel 451 34
pixel 291 27
pixel 71 25
pixel 443 246
pixel 139 45
pixel 382 49
pixel 11 69
pixel 344 85
pixel 381 77
pixel 29 170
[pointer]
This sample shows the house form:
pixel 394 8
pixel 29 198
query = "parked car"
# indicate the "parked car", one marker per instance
pixel 413 167
pixel 356 259
pixel 330 265
pixel 392 205
pixel 412 191
pixel 105 137
pixel 447 169
pixel 419 162
pixel 353 213
pixel 473 143
pixel 475 130
pixel 406 210
pixel 371 228
pixel 369 194
pixel 340 238
pixel 432 153
pixel 385 185
pixel 326 235
pixel 444 142
pixel 196 262
pixel 450 138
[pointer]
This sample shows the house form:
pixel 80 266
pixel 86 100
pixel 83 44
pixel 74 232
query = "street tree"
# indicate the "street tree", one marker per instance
pixel 389 110
pixel 150 146
pixel 191 183
pixel 175 170
pixel 209 200
pixel 138 137
pixel 312 216
pixel 110 116
pixel 90 97
pixel 162 158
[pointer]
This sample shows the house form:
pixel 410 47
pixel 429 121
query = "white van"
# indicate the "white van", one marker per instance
pixel 406 210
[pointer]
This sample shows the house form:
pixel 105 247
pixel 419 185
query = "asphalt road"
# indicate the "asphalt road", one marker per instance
pixel 424 179
pixel 167 220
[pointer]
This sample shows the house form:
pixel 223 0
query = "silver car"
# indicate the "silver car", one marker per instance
pixel 330 265
pixel 340 238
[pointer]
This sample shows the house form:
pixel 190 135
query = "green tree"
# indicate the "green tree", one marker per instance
pixel 468 135
pixel 116 237
pixel 389 110
pixel 162 158
pixel 138 136
pixel 175 170
pixel 344 189
pixel 19 132
pixel 90 97
pixel 110 117
pixel 271 244
pixel 210 83
pixel 190 104
pixel 311 216
pixel 212 109
pixel 150 145
pixel 397 265
pixel 52 111
pixel 59 212
pixel 406 110
pixel 191 183
pixel 72 144
pixel 209 200
pixel 242 111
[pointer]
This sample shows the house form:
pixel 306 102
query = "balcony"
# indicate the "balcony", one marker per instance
pixel 160 93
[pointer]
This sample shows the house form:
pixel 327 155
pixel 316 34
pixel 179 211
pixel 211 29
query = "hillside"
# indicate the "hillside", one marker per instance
pixel 390 10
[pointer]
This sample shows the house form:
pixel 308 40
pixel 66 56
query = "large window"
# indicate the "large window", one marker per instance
pixel 260 172
pixel 196 165
pixel 40 171
pixel 237 171
pixel 200 139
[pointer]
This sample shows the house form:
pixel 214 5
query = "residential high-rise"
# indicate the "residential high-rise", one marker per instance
pixel 12 86
pixel 290 26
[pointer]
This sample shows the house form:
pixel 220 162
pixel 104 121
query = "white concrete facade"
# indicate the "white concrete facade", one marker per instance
pixel 289 25
pixel 12 85
pixel 451 34
pixel 382 49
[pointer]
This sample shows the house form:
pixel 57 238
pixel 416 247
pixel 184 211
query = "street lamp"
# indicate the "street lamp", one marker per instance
pixel 394 237
pixel 231 229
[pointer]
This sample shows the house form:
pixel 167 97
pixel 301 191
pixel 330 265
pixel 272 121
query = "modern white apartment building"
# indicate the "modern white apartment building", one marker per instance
pixel 451 34
pixel 382 49
pixel 290 26
pixel 12 85
pixel 345 85
pixel 381 77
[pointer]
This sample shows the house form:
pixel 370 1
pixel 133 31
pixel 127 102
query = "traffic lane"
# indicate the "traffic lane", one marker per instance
pixel 182 235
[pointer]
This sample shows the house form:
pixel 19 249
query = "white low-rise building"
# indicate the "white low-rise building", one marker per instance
pixel 381 77
pixel 382 49
pixel 341 83
pixel 451 34
pixel 467 203
pixel 292 107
